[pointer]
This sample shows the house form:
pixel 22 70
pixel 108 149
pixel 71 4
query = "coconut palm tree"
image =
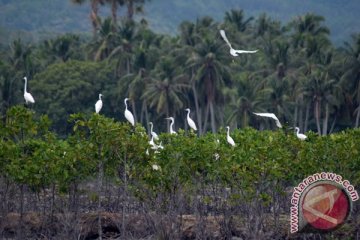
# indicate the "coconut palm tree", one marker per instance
pixel 95 20
pixel 165 92
pixel 211 73
pixel 351 77
pixel 246 96
pixel 237 18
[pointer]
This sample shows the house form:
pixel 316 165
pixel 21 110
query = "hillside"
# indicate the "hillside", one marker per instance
pixel 43 16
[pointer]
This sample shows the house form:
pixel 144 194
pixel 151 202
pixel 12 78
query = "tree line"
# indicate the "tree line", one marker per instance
pixel 297 74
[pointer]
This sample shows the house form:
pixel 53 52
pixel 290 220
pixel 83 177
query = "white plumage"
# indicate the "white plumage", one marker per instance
pixel 229 139
pixel 156 137
pixel 190 121
pixel 155 167
pixel 128 114
pixel 233 51
pixel 300 135
pixel 98 104
pixel 171 125
pixel 28 97
pixel 270 115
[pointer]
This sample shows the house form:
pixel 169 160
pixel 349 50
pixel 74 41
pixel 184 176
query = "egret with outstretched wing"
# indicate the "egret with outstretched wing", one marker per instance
pixel 233 51
pixel 270 115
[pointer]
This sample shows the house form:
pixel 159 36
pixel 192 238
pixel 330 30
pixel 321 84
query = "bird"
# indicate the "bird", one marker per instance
pixel 155 167
pixel 300 135
pixel 128 114
pixel 154 146
pixel 171 125
pixel 233 51
pixel 153 133
pixel 98 104
pixel 270 115
pixel 229 138
pixel 190 121
pixel 152 143
pixel 28 97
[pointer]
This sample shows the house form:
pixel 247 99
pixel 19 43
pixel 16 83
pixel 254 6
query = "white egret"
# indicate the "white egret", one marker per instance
pixel 171 125
pixel 152 143
pixel 154 146
pixel 153 133
pixel 155 167
pixel 28 97
pixel 233 51
pixel 229 138
pixel 98 104
pixel 189 120
pixel 128 114
pixel 270 115
pixel 300 135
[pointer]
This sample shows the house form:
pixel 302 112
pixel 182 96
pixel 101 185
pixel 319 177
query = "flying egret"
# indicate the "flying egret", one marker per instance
pixel 28 97
pixel 189 120
pixel 234 52
pixel 153 133
pixel 171 125
pixel 300 135
pixel 229 138
pixel 128 114
pixel 270 115
pixel 98 104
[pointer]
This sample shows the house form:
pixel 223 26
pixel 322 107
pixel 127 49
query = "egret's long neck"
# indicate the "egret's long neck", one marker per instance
pixel 25 85
pixel 228 130
pixel 99 96
pixel 171 125
pixel 151 127
pixel 297 130
pixel 188 115
pixel 125 105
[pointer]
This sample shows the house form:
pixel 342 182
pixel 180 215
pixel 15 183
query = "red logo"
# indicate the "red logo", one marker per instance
pixel 325 206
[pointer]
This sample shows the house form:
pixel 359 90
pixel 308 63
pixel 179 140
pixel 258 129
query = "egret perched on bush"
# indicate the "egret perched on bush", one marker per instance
pixel 189 120
pixel 98 104
pixel 156 137
pixel 128 114
pixel 234 52
pixel 171 125
pixel 229 138
pixel 155 167
pixel 270 115
pixel 300 135
pixel 28 97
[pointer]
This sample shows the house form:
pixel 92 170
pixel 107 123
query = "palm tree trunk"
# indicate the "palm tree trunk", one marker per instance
pixel 357 120
pixel 133 106
pixel 114 14
pixel 212 116
pixel 317 115
pixel 326 119
pixel 301 115
pixel 206 117
pixel 130 9
pixel 198 114
pixel 94 16
pixel 296 110
pixel 333 125
pixel 245 119
pixel 307 113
